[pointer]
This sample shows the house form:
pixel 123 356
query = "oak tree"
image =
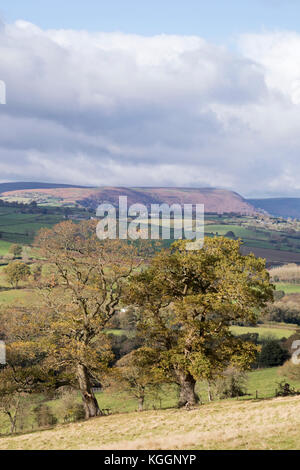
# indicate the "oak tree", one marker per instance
pixel 82 292
pixel 189 299
pixel 16 271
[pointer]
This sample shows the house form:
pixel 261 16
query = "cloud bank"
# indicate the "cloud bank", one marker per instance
pixel 127 110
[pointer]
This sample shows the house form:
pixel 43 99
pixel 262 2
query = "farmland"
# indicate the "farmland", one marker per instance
pixel 21 225
pixel 21 228
pixel 24 211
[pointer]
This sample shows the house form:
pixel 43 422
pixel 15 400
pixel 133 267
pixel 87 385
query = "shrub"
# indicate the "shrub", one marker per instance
pixel 44 416
pixel 230 234
pixel 16 250
pixel 290 370
pixel 285 389
pixel 272 353
pixel 283 313
pixel 122 345
pixel 70 409
pixel 231 384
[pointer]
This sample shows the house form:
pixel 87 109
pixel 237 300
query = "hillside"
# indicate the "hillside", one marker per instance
pixel 214 200
pixel 278 207
pixel 267 424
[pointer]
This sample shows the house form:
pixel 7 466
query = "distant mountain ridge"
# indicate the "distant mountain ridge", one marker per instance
pixel 278 206
pixel 24 185
pixel 215 200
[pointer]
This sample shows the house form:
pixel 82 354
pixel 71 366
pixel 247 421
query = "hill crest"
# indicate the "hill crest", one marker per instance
pixel 214 199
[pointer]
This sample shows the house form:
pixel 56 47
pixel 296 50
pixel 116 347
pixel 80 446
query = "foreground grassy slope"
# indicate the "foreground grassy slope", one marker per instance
pixel 267 424
pixel 261 383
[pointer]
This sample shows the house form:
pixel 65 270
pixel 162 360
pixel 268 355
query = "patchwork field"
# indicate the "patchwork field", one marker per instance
pixel 17 227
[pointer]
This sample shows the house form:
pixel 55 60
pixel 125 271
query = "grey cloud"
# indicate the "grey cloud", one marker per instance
pixel 100 108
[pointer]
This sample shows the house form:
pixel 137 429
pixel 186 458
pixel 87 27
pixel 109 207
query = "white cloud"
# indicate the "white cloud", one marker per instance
pixel 278 53
pixel 117 109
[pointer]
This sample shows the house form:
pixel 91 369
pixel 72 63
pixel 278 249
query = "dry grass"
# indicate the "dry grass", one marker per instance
pixel 267 424
pixel 287 273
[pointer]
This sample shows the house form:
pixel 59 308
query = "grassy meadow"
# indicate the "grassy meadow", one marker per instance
pixel 260 384
pixel 288 288
pixel 275 331
pixel 258 424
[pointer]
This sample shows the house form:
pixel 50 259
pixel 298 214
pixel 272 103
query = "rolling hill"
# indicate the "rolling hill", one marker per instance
pixel 215 200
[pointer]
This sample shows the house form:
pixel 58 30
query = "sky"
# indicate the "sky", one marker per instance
pixel 162 93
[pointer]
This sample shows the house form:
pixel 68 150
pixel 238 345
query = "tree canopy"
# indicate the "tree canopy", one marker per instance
pixel 189 299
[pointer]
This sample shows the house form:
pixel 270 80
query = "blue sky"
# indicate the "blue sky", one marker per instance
pixel 216 20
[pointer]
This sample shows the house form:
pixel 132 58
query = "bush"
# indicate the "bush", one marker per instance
pixel 290 370
pixel 75 412
pixel 283 313
pixel 278 295
pixel 272 354
pixel 231 384
pixel 230 234
pixel 252 337
pixel 285 390
pixel 16 250
pixel 70 409
pixel 44 416
pixel 36 271
pixel 122 345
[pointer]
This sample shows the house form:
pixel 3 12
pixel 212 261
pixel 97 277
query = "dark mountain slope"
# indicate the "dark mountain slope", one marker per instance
pixel 279 206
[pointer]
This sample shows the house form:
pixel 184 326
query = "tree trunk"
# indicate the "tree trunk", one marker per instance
pixel 209 395
pixel 13 418
pixel 141 403
pixel 90 403
pixel 187 395
pixel 12 422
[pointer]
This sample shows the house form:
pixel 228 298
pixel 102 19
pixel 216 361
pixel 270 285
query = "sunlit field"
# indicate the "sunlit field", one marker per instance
pixel 267 424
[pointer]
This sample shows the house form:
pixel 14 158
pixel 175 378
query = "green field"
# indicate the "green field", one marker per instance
pixel 4 247
pixel 288 288
pixel 255 237
pixel 20 226
pixel 240 232
pixel 263 331
pixel 18 297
